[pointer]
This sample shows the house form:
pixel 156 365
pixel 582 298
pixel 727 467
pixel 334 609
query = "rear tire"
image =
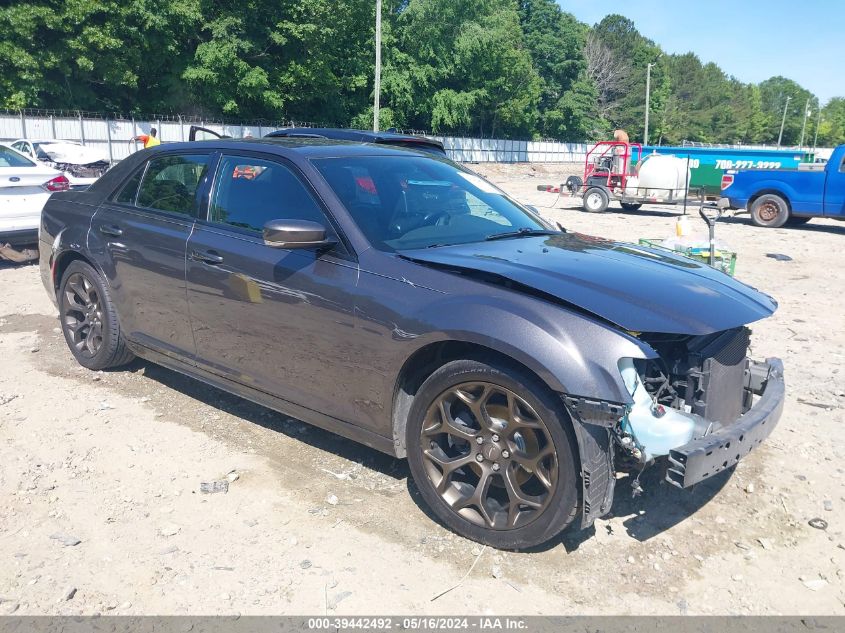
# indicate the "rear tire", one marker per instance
pixel 492 453
pixel 596 200
pixel 89 320
pixel 770 211
pixel 630 206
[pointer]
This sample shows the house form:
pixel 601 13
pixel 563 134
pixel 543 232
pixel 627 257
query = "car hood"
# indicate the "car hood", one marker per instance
pixel 72 154
pixel 636 288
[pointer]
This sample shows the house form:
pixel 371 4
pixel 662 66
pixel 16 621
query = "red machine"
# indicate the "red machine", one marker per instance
pixel 609 163
pixel 610 174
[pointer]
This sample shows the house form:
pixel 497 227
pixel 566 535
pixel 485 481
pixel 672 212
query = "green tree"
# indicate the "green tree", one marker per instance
pixel 109 55
pixel 304 59
pixel 832 123
pixel 555 41
pixel 459 65
pixel 773 96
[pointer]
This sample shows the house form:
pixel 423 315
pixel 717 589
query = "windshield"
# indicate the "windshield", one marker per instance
pixel 412 202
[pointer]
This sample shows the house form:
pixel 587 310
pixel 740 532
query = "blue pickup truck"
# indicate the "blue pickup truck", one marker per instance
pixel 776 197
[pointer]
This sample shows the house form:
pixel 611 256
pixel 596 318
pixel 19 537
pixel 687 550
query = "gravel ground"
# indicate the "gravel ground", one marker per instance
pixel 102 509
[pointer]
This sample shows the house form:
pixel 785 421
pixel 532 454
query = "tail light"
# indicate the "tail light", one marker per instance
pixel 59 183
pixel 727 181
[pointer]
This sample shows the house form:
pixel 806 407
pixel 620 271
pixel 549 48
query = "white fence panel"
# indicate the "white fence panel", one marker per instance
pixel 113 137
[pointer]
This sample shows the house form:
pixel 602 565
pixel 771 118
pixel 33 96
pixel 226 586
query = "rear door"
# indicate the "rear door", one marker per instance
pixel 139 236
pixel 834 189
pixel 274 319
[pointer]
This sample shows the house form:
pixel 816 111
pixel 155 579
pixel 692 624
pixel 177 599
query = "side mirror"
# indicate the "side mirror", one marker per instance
pixel 295 234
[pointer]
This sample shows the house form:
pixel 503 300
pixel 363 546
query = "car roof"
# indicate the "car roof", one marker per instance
pixel 365 136
pixel 48 141
pixel 304 146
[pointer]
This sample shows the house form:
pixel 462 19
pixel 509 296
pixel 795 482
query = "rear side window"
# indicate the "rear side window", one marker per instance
pixel 130 189
pixel 249 192
pixel 171 182
pixel 10 158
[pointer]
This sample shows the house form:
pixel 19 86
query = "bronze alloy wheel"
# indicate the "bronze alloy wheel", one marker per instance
pixel 489 455
pixel 82 315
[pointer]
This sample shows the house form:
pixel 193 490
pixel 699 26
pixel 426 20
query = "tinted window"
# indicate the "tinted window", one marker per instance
pixel 10 158
pixel 415 202
pixel 249 192
pixel 171 182
pixel 127 193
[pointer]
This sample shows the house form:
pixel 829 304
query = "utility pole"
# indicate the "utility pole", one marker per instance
pixel 816 137
pixel 647 99
pixel 377 98
pixel 783 121
pixel 804 125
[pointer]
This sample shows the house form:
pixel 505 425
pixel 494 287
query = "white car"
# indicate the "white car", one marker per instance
pixel 25 186
pixel 82 165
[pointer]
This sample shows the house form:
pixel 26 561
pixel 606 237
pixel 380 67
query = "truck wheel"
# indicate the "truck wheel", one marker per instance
pixel 596 200
pixel 630 206
pixel 770 211
pixel 493 454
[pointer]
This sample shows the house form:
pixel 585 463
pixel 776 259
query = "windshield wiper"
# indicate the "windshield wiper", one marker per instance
pixel 523 232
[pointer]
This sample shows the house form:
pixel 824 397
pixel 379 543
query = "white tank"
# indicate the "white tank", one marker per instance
pixel 660 174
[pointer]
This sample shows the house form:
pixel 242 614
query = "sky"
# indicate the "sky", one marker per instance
pixel 749 39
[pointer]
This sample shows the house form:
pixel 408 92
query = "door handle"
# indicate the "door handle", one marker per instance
pixel 208 257
pixel 114 231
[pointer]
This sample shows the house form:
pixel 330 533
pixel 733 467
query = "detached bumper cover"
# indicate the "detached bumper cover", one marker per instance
pixel 711 454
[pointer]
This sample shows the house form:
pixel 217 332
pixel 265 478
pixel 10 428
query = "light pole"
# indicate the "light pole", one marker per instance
pixel 647 99
pixel 818 122
pixel 377 90
pixel 783 121
pixel 804 125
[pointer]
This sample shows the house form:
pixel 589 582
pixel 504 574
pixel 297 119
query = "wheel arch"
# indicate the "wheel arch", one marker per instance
pixel 770 191
pixel 426 360
pixel 63 260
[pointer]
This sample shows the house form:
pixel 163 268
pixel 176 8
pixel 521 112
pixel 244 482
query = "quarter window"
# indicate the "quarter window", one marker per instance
pixel 171 182
pixel 130 189
pixel 249 192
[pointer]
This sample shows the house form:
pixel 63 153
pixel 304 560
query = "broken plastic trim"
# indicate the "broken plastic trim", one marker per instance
pixel 594 422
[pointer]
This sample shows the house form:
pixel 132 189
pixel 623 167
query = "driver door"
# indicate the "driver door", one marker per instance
pixel 274 319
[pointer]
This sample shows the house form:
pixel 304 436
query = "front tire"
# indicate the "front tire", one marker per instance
pixel 596 200
pixel 89 320
pixel 492 453
pixel 769 211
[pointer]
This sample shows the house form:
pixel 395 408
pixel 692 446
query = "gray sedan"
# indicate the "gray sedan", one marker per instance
pixel 402 301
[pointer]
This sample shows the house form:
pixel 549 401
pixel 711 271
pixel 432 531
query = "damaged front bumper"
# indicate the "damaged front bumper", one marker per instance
pixel 709 455
pixel 690 463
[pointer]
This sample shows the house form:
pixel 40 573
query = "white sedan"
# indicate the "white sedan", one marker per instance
pixel 81 164
pixel 25 186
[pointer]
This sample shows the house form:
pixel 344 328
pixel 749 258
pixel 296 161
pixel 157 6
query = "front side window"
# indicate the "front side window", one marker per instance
pixel 171 182
pixel 415 202
pixel 249 192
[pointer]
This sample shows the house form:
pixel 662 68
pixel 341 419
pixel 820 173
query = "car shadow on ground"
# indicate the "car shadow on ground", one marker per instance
pixel 273 420
pixel 809 227
pixel 660 507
